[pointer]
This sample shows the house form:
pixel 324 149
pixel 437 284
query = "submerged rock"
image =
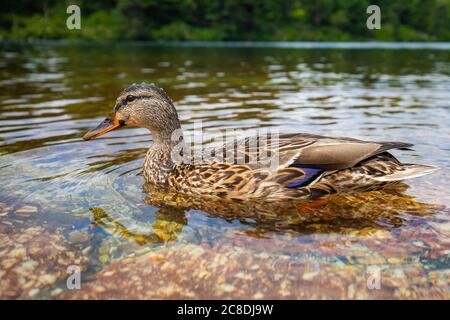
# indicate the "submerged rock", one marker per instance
pixel 32 258
pixel 222 271
pixel 26 210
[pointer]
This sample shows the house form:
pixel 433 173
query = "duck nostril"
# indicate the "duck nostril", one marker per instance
pixel 122 123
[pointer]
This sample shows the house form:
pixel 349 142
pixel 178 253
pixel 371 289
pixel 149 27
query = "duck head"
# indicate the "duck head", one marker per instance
pixel 141 105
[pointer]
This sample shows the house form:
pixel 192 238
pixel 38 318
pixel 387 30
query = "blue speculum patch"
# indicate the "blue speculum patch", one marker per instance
pixel 310 175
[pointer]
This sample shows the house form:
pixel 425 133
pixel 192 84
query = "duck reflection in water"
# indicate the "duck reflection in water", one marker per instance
pixel 361 214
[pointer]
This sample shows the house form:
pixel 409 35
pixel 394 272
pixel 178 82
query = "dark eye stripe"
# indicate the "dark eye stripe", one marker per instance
pixel 124 103
pixel 141 97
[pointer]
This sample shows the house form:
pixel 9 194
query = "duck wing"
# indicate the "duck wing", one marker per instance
pixel 341 153
pixel 302 150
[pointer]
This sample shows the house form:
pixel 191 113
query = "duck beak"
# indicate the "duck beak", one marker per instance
pixel 107 125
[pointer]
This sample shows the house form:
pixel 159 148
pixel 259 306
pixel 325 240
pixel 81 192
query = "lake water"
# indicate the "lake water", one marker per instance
pixel 67 205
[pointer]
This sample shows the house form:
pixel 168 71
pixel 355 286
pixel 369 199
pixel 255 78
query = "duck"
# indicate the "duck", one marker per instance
pixel 301 166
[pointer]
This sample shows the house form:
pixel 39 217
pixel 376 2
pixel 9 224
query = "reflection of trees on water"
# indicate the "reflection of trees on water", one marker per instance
pixel 361 213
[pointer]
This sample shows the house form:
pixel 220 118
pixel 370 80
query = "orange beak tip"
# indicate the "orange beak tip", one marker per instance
pixel 87 136
pixel 105 126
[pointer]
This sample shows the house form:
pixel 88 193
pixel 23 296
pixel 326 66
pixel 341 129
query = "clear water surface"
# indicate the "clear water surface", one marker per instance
pixel 64 201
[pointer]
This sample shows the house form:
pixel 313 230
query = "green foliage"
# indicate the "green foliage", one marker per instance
pixel 181 31
pixel 103 25
pixel 285 20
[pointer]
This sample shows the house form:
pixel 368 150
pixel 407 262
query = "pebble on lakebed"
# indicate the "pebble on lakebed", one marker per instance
pixel 223 271
pixel 32 259
pixel 249 263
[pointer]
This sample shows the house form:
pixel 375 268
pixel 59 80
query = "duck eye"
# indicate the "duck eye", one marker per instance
pixel 131 98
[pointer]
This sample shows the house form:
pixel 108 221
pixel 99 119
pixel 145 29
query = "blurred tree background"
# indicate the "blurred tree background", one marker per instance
pixel 249 20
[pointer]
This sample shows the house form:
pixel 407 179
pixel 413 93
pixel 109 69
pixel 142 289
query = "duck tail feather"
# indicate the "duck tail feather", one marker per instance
pixel 409 171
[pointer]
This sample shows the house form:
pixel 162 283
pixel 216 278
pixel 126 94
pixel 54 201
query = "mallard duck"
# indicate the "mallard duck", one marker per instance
pixel 308 166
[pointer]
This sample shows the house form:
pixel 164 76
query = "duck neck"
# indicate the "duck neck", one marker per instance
pixel 159 162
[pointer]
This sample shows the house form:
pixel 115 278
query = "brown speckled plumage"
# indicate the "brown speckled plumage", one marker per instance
pixel 341 165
